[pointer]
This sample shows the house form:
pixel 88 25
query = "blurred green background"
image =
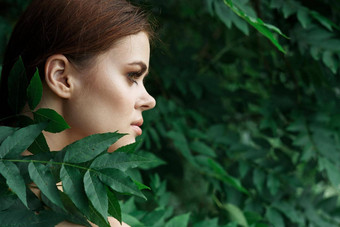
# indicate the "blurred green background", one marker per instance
pixel 250 135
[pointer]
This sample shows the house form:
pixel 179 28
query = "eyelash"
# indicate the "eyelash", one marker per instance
pixel 133 76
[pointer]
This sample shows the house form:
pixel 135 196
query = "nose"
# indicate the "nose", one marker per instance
pixel 146 101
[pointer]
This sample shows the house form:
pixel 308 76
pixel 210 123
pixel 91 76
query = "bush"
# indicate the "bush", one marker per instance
pixel 247 119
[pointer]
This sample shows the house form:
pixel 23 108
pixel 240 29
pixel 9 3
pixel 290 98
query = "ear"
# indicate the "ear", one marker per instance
pixel 58 75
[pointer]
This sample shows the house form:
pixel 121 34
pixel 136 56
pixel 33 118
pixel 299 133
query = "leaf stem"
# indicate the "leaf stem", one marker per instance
pixel 49 162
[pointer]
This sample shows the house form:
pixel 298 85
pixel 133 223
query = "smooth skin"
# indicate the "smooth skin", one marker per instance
pixel 108 96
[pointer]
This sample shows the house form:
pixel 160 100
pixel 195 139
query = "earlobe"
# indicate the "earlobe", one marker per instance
pixel 57 75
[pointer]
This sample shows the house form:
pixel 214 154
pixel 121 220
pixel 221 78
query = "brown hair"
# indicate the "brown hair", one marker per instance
pixel 78 29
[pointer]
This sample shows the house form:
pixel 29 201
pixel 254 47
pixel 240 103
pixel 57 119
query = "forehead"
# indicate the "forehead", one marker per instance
pixel 129 49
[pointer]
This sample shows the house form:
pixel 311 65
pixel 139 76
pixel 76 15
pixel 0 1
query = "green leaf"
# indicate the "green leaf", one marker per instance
pixel 95 217
pixel 275 217
pixel 153 160
pixel 241 25
pixel 130 148
pixel 264 29
pixel 119 181
pixel 289 9
pixel 96 192
pixel 90 147
pixel 258 24
pixel 7 197
pixel 303 17
pixel 324 21
pixel 123 161
pixel 141 186
pixel 114 207
pixel 330 61
pixel 273 184
pixel 20 140
pixel 209 4
pixel 5 132
pixel 315 52
pixel 223 13
pixel 202 148
pixel 290 212
pixel 179 221
pixel 17 84
pixel 158 216
pixel 48 218
pixel 131 220
pixel 39 145
pixel 72 215
pixel 73 186
pixel 14 180
pixel 236 214
pixel 129 206
pixel 259 179
pixel 181 144
pixel 224 176
pixel 332 170
pixel 155 137
pixel 56 123
pixel 34 91
pixel 42 177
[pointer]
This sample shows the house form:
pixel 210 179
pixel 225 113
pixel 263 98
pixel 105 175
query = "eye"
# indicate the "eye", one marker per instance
pixel 133 76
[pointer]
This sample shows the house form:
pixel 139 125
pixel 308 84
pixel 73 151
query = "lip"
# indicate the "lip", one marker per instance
pixel 137 127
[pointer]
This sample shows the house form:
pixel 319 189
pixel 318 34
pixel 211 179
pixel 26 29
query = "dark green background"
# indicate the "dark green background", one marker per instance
pixel 250 135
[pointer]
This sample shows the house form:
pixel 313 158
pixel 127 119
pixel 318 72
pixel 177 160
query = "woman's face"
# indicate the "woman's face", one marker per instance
pixel 111 95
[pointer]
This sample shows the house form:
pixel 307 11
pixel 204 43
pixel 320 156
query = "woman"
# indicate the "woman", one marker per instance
pixel 92 56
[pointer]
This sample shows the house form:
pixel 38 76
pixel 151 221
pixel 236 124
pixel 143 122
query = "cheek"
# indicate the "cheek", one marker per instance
pixel 102 107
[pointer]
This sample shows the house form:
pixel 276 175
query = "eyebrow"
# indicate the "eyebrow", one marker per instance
pixel 142 65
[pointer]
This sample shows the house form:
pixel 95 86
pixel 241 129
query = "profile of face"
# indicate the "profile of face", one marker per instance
pixel 107 97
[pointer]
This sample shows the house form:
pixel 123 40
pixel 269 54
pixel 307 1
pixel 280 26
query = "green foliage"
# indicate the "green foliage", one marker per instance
pixel 82 183
pixel 270 120
pixel 250 135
